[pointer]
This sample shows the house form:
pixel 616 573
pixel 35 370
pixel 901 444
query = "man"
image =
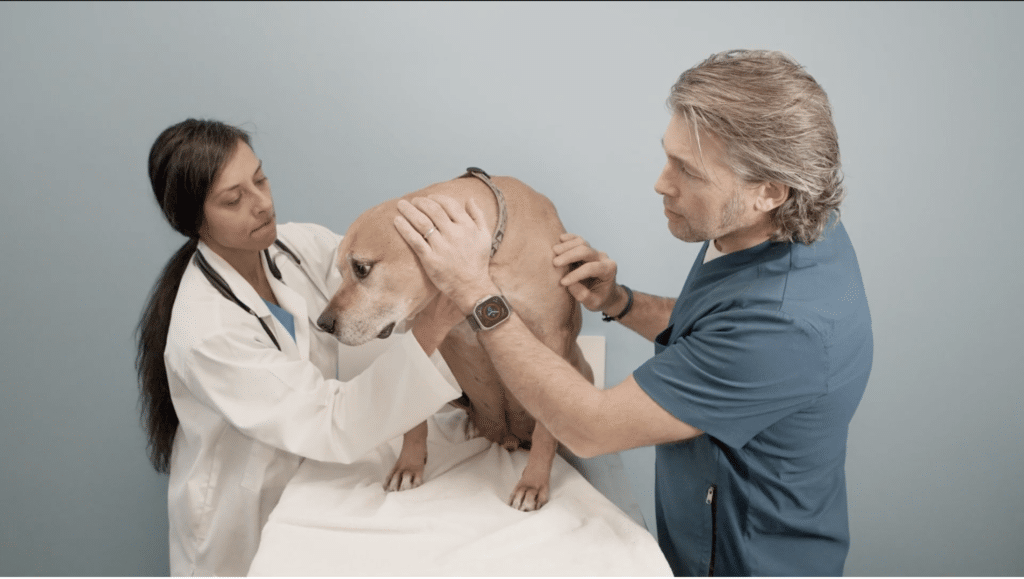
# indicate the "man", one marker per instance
pixel 759 364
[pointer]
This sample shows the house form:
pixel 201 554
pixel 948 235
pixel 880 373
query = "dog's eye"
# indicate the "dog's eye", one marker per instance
pixel 361 269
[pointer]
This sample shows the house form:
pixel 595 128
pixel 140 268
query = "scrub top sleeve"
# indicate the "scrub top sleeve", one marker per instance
pixel 287 403
pixel 737 373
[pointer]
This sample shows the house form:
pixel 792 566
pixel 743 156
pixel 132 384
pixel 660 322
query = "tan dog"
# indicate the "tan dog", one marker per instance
pixel 383 287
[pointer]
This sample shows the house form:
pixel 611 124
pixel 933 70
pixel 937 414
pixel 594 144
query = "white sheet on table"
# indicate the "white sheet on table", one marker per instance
pixel 338 520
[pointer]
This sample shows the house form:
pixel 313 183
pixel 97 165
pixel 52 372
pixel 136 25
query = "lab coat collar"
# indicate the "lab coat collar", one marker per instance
pixel 288 299
pixel 284 262
pixel 321 286
pixel 238 284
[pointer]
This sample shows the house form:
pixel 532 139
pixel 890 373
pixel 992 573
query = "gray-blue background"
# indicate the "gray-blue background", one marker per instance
pixel 354 103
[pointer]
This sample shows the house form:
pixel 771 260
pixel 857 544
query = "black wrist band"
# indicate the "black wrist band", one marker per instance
pixel 625 310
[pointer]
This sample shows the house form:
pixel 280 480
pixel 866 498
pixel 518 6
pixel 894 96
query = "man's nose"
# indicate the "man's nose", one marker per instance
pixel 661 186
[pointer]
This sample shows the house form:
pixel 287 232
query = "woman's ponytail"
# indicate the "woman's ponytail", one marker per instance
pixel 158 415
pixel 184 163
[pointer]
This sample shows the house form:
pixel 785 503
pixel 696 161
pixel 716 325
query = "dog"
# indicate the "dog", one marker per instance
pixel 384 287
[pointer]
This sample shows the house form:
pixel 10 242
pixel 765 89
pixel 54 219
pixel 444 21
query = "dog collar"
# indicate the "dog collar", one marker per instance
pixel 499 231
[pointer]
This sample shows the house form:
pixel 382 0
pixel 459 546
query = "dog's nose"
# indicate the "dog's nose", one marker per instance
pixel 326 322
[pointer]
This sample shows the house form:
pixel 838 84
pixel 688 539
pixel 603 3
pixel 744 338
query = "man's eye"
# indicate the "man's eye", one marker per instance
pixel 361 269
pixel 691 175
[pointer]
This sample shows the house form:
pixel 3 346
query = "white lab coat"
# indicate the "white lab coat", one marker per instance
pixel 250 413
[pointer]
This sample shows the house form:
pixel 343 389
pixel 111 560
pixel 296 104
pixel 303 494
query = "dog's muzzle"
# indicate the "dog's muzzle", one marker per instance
pixel 327 323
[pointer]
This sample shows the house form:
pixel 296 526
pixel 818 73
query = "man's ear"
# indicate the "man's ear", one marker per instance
pixel 770 195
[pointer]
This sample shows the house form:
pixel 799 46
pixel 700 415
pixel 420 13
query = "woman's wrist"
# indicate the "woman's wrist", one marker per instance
pixel 427 337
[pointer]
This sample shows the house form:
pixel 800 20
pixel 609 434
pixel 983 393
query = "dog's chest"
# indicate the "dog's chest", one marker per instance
pixel 493 411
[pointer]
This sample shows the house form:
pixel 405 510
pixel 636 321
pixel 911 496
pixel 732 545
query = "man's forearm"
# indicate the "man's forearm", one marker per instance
pixel 548 387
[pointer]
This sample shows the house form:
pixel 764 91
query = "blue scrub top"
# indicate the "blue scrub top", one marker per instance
pixel 768 352
pixel 287 320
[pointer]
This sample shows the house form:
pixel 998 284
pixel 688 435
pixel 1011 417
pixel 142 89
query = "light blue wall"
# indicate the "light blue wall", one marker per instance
pixel 354 103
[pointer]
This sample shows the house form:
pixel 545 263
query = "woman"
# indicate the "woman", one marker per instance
pixel 237 383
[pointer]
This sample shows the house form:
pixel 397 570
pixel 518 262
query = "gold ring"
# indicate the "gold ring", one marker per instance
pixel 429 233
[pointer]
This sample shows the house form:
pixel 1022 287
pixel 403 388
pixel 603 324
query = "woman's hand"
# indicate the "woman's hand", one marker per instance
pixel 592 283
pixel 453 244
pixel 432 324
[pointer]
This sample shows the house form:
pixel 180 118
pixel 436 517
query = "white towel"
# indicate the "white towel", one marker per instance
pixel 337 519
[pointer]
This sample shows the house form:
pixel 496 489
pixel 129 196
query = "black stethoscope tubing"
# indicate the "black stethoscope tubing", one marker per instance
pixel 222 286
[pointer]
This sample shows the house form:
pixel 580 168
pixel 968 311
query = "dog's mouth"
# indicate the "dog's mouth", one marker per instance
pixel 386 331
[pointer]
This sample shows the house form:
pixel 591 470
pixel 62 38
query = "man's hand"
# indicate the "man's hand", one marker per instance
pixel 593 282
pixel 453 244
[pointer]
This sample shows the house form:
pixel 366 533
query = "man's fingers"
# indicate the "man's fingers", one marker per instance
pixel 476 214
pixel 584 296
pixel 459 213
pixel 569 241
pixel 411 236
pixel 579 292
pixel 454 209
pixel 568 255
pixel 417 219
pixel 588 270
pixel 437 214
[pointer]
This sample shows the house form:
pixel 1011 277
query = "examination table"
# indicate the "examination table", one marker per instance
pixel 337 520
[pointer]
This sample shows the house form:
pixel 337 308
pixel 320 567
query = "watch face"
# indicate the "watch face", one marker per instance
pixel 491 312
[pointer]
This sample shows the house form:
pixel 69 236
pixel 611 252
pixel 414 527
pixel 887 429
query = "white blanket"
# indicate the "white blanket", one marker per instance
pixel 338 520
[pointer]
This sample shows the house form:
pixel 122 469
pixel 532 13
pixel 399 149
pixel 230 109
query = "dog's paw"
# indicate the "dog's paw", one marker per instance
pixel 404 477
pixel 408 470
pixel 529 497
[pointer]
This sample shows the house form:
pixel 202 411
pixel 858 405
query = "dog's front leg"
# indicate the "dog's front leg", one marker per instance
pixel 408 471
pixel 534 486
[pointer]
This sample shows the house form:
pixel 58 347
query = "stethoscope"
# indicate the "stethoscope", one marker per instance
pixel 225 290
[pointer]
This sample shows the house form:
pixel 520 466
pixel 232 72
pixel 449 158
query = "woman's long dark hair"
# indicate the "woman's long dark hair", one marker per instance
pixel 184 163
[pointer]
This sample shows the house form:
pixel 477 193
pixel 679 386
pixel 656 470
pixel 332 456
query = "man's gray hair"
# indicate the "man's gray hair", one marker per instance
pixel 776 124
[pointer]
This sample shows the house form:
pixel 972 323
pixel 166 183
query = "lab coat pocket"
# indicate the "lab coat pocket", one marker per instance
pixel 260 456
